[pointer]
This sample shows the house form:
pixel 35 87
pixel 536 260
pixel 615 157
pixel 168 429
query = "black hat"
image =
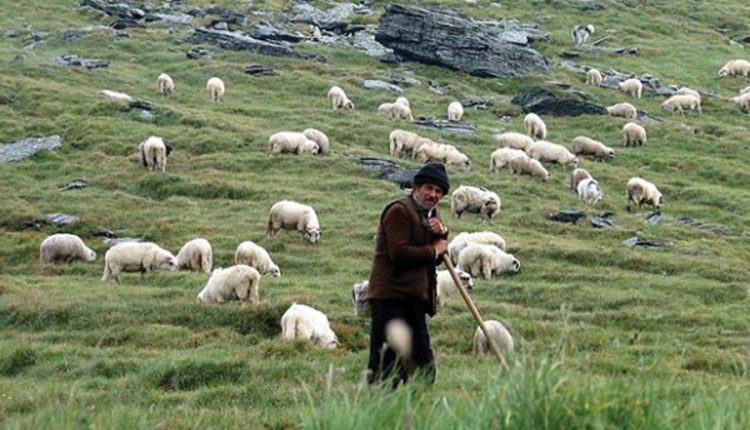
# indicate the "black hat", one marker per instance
pixel 433 173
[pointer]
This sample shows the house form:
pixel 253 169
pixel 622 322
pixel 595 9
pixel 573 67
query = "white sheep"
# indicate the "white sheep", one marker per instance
pixel 583 145
pixel 743 101
pixel 500 337
pixel 115 95
pixel 589 191
pixel 140 257
pixel 594 77
pixel 290 215
pixel 577 176
pixel 455 111
pixel 256 256
pixel 359 298
pixel 681 103
pixel 317 136
pixel 215 89
pixel 338 99
pixel 307 323
pixel 441 153
pixel 396 111
pixel 514 140
pixel 543 150
pixel 446 287
pixel 692 92
pixel 633 133
pixel 502 157
pixel 745 90
pixel 153 153
pixel 291 142
pixel 639 191
pixel 475 200
pixel 196 255
pixel 402 143
pixel 239 282
pixel 528 166
pixel 581 33
pixel 66 248
pixel 534 126
pixel 486 260
pixel 465 239
pixel 625 110
pixel 404 101
pixel 735 67
pixel 165 84
pixel 632 87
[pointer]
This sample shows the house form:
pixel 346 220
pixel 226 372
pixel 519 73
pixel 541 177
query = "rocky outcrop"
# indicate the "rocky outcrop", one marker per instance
pixel 27 147
pixel 445 125
pixel 390 171
pixel 545 102
pixel 76 61
pixel 235 41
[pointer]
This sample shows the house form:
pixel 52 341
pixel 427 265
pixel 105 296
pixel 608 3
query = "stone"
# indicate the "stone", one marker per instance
pixel 76 61
pixel 240 42
pixel 654 217
pixel 686 221
pixel 338 14
pixel 27 147
pixel 143 104
pixel 147 115
pixel 603 220
pixel 648 243
pixel 374 84
pixel 72 35
pixel 568 215
pixel 476 103
pixel 11 33
pixel 196 53
pixel 62 220
pixel 545 102
pixel 266 31
pixel 444 125
pixel 391 171
pixel 75 184
pixel 259 70
pixel 403 80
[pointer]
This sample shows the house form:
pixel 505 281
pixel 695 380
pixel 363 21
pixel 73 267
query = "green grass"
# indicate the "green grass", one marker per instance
pixel 607 336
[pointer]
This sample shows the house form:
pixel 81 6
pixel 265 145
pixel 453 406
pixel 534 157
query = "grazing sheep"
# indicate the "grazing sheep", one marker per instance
pixel 240 282
pixel 583 145
pixel 743 101
pixel 534 126
pixel 594 77
pixel 692 92
pixel 66 248
pixel 502 157
pixel 396 111
pixel 292 143
pixel 320 138
pixel 140 257
pixel 589 191
pixel 154 152
pixel 446 287
pixel 440 153
pixel 406 143
pixel 681 103
pixel 215 89
pixel 196 255
pixel 475 200
pixel 639 191
pixel 576 177
pixel 165 84
pixel 404 101
pixel 486 260
pixel 745 90
pixel 528 166
pixel 307 323
pixel 291 215
pixel 455 111
pixel 464 239
pixel 633 133
pixel 338 99
pixel 359 298
pixel 632 87
pixel 114 95
pixel 513 140
pixel 625 110
pixel 500 337
pixel 255 256
pixel 581 33
pixel 551 152
pixel 735 67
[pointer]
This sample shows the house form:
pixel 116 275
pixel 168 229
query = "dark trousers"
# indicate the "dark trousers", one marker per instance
pixel 384 365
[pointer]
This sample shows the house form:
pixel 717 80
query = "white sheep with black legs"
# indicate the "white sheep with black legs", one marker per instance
pixel 534 126
pixel 632 87
pixel 196 255
pixel 291 142
pixel 455 111
pixel 338 99
pixel 633 134
pixel 290 215
pixel 461 241
pixel 307 323
pixel 735 67
pixel 165 84
pixel 639 191
pixel 153 153
pixel 65 248
pixel 317 136
pixel 254 255
pixel 487 260
pixel 239 282
pixel 499 335
pixel 215 89
pixel 475 200
pixel 625 110
pixel 142 257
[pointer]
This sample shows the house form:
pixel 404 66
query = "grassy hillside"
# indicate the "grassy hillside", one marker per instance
pixel 607 336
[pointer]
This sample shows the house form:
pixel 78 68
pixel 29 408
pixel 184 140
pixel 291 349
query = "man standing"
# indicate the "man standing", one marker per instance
pixel 410 243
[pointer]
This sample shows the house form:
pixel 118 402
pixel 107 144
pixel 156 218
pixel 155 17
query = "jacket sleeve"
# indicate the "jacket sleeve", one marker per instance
pixel 397 226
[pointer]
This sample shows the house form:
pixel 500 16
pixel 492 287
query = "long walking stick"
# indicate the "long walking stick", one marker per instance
pixel 475 312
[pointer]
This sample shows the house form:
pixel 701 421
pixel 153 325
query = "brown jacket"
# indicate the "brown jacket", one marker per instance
pixel 404 262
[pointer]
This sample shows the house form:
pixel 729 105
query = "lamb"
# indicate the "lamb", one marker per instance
pixel 154 152
pixel 455 111
pixel 528 166
pixel 140 257
pixel 576 177
pixel 502 157
pixel 681 103
pixel 581 33
pixel 534 126
pixel 66 248
pixel 215 89
pixel 255 256
pixel 291 215
pixel 291 142
pixel 690 91
pixel 320 138
pixel 446 287
pixel 735 67
pixel 547 151
pixel 404 101
pixel 500 337
pixel 513 140
pixel 465 239
pixel 589 191
pixel 338 99
pixel 639 191
pixel 625 110
pixel 632 87
pixel 396 111
pixel 583 145
pixel 307 323
pixel 165 84
pixel 743 101
pixel 486 260
pixel 114 95
pixel 594 77
pixel 196 255
pixel 633 133
pixel 406 143
pixel 240 282
pixel 475 200
pixel 446 154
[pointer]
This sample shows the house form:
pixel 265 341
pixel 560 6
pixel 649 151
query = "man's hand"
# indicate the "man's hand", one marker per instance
pixel 436 227
pixel 441 248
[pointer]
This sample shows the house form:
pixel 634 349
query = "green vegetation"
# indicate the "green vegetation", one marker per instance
pixel 607 336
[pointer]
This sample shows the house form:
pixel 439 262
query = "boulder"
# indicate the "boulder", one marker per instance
pixel 445 125
pixel 75 184
pixel 235 41
pixel 390 171
pixel 568 215
pixel 259 70
pixel 545 102
pixel 374 84
pixel 648 243
pixel 27 147
pixel 76 61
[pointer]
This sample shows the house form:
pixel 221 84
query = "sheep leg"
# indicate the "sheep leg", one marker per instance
pixel 141 277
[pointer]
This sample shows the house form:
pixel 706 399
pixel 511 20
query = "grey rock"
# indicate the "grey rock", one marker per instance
pixel 75 184
pixel 654 217
pixel 110 242
pixel 362 40
pixel 544 102
pixel 72 35
pixel 125 23
pixel 171 19
pixel 266 31
pixel 240 42
pixel 105 233
pixel 62 220
pixel 648 243
pixel 686 221
pixel 196 53
pixel 445 126
pixel 76 61
pixel 147 115
pixel 373 84
pixel 34 36
pixel 219 25
pixel 403 80
pixel 591 6
pixel 259 70
pixel 744 39
pixel 28 147
pixel 391 171
pixel 308 14
pixel 592 51
pixel 143 104
pixel 231 17
pixel 476 103
pixel 147 7
pixel 11 33
pixel 436 88
pixel 603 220
pixel 568 215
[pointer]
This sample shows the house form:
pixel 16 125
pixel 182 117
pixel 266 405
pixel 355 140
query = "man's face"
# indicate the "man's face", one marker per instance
pixel 427 196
